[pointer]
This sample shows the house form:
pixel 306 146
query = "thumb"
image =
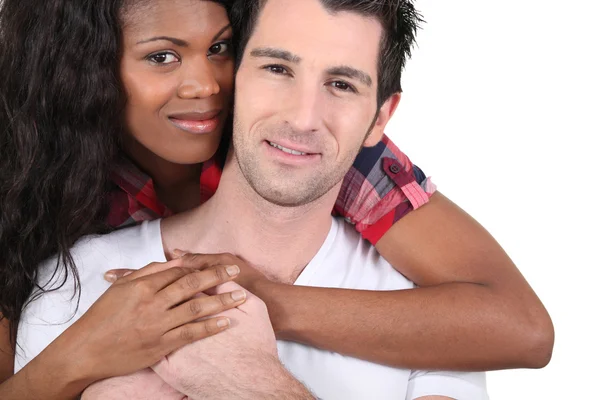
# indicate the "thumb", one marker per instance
pixel 177 253
pixel 115 274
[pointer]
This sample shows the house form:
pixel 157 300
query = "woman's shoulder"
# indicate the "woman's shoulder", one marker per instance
pixel 93 255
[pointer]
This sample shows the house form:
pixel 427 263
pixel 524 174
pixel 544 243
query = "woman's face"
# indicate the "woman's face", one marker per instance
pixel 177 69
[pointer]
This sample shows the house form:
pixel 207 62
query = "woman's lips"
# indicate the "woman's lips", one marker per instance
pixel 197 123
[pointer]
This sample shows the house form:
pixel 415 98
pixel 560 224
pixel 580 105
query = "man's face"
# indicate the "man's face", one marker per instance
pixel 306 98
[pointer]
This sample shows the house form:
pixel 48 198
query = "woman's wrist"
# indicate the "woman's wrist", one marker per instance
pixel 279 300
pixel 47 379
pixel 64 367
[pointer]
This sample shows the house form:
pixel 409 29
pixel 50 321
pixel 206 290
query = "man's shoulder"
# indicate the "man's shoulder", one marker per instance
pixel 347 242
pixel 346 260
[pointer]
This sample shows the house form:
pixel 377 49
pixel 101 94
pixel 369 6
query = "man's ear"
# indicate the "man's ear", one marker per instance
pixel 383 117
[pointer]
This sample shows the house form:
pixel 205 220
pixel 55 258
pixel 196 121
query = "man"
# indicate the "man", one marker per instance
pixel 307 102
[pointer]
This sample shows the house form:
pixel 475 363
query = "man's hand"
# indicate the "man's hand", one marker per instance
pixel 142 385
pixel 239 363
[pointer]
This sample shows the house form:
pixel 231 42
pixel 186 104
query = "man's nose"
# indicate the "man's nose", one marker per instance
pixel 304 112
pixel 198 81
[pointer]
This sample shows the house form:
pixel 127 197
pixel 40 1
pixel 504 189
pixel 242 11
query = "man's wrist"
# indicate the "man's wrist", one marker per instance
pixel 264 378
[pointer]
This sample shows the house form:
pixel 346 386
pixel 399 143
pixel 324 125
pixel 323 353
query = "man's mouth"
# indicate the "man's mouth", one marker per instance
pixel 286 150
pixel 297 151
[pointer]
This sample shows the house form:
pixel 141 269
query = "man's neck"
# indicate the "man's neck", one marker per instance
pixel 278 241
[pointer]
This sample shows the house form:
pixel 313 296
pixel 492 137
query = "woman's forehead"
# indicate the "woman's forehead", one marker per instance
pixel 151 14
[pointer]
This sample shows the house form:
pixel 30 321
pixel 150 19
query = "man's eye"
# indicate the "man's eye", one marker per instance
pixel 276 69
pixel 219 48
pixel 163 58
pixel 343 86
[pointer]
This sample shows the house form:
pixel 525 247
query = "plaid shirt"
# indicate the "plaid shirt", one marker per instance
pixel 381 187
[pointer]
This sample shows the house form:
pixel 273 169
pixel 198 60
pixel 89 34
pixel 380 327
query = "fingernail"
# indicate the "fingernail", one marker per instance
pixel 179 253
pixel 233 270
pixel 238 295
pixel 111 277
pixel 222 323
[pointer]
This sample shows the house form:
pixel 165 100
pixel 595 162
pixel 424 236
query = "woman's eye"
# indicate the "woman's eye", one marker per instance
pixel 163 58
pixel 219 48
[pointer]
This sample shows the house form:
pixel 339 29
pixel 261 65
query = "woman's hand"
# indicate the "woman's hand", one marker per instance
pixel 148 314
pixel 248 277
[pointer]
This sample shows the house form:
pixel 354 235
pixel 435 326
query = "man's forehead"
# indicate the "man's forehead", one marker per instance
pixel 306 29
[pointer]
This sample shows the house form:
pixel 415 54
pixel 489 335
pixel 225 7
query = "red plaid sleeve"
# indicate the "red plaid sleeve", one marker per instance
pixel 133 198
pixel 381 187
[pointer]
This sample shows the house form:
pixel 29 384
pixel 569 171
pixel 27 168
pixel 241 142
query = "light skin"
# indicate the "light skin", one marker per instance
pixel 475 308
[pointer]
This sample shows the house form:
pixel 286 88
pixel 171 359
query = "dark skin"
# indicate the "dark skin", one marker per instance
pixel 473 311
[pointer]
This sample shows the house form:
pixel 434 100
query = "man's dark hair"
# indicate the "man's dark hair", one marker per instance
pixel 398 18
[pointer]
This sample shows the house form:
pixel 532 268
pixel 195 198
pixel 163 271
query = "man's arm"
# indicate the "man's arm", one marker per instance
pixel 241 364
pixel 264 378
pixel 475 311
pixel 141 385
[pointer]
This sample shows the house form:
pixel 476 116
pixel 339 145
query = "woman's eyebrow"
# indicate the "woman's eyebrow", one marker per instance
pixel 175 41
pixel 221 32
pixel 180 42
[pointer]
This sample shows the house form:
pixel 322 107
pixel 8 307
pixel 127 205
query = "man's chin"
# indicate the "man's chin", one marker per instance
pixel 286 195
pixel 283 199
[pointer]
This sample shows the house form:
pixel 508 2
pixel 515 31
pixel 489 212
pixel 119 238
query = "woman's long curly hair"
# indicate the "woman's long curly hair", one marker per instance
pixel 61 105
pixel 61 119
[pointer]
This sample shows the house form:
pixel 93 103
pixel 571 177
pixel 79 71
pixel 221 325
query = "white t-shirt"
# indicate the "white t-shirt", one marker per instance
pixel 344 261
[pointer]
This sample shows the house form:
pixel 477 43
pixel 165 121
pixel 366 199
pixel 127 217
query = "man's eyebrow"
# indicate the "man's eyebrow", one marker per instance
pixel 270 52
pixel 352 73
pixel 177 42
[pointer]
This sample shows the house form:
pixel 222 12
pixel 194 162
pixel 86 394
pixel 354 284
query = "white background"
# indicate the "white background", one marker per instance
pixel 501 107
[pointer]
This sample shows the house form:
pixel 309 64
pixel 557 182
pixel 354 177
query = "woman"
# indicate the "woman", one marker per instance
pixel 83 90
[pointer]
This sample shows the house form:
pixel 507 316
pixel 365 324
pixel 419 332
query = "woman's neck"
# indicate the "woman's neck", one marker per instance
pixel 177 186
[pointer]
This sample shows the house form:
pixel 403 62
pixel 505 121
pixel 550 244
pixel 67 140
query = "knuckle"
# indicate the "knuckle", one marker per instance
pixel 179 270
pixel 187 334
pixel 142 288
pixel 196 307
pixel 192 281
pixel 219 274
pixel 209 327
pixel 224 299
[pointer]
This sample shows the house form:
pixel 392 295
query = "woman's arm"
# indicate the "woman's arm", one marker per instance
pixel 46 377
pixel 147 315
pixel 7 354
pixel 475 311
